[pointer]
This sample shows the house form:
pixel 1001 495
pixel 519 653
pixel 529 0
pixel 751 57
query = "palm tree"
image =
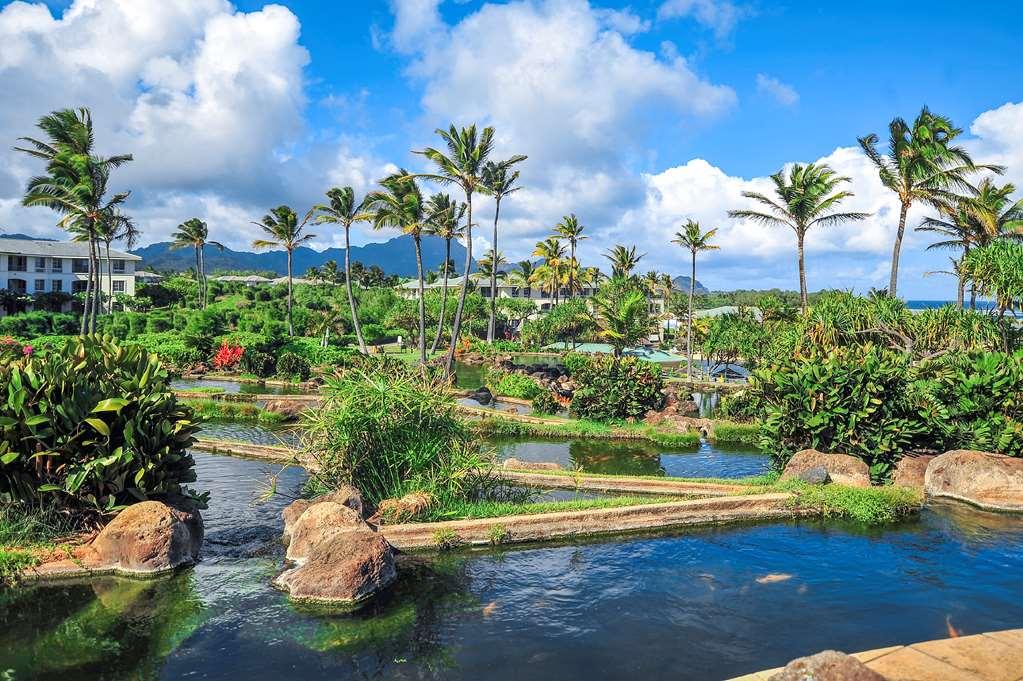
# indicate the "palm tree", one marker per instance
pixel 194 233
pixel 804 197
pixel 621 308
pixel 695 239
pixel 75 187
pixel 973 221
pixel 115 226
pixel 498 181
pixel 921 165
pixel 651 282
pixel 284 230
pixel 550 274
pixel 570 229
pixel 445 222
pixel 462 165
pixel 623 260
pixel 342 209
pixel 401 205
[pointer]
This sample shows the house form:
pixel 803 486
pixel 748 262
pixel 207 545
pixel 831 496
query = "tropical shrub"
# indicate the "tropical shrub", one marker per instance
pixel 258 363
pixel 743 406
pixel 170 347
pixel 290 365
pixel 11 349
pixel 511 384
pixel 854 400
pixel 737 433
pixel 610 388
pixel 94 427
pixel 545 404
pixel 315 353
pixel 393 433
pixel 227 356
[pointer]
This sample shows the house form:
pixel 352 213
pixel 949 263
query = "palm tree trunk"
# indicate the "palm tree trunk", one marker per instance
pixel 893 284
pixel 97 289
pixel 86 302
pixel 198 279
pixel 202 275
pixel 689 335
pixel 443 296
pixel 291 325
pixel 973 296
pixel 351 297
pixel 456 326
pixel 803 301
pixel 422 302
pixel 492 323
pixel 110 280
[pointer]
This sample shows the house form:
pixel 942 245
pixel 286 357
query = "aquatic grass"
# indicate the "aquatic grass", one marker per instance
pixel 474 510
pixel 220 410
pixel 202 390
pixel 869 505
pixel 27 532
pixel 736 433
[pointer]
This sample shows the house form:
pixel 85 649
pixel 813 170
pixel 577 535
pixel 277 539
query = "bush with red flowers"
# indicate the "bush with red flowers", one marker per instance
pixel 228 356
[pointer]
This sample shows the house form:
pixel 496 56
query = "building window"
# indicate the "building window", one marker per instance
pixel 17 263
pixel 17 285
pixel 40 285
pixel 40 264
pixel 78 286
pixel 58 265
pixel 485 291
pixel 527 292
pixel 56 286
pixel 79 265
pixel 515 291
pixel 119 267
pixel 119 286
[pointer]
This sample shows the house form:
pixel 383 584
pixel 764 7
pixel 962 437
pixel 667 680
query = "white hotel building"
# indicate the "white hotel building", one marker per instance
pixel 29 267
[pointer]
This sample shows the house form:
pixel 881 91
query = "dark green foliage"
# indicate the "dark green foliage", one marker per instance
pixel 744 406
pixel 290 365
pixel 544 404
pixel 850 400
pixel 170 346
pixel 29 324
pixel 611 388
pixel 95 426
pixel 567 321
pixel 311 350
pixel 257 363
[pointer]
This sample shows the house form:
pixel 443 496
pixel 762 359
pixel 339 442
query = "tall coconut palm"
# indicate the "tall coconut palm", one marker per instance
pixel 693 238
pixel 498 181
pixel 342 209
pixel 804 198
pixel 623 260
pixel 570 229
pixel 921 165
pixel 115 226
pixel 550 275
pixel 621 309
pixel 194 233
pixel 284 230
pixel 445 221
pixel 75 186
pixel 401 205
pixel 973 221
pixel 462 165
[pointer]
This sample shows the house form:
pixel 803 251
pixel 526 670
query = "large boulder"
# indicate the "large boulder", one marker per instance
pixel 909 471
pixel 320 523
pixel 829 665
pixel 289 409
pixel 149 537
pixel 346 495
pixel 346 569
pixel 991 481
pixel 482 395
pixel 842 468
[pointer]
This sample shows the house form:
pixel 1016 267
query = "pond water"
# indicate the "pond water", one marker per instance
pixel 239 431
pixel 693 605
pixel 237 387
pixel 637 457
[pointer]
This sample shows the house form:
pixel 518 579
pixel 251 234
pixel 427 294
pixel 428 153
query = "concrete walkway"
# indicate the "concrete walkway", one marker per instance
pixel 994 656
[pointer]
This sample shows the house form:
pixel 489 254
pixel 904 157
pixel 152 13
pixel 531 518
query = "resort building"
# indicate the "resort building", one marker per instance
pixel 29 267
pixel 541 298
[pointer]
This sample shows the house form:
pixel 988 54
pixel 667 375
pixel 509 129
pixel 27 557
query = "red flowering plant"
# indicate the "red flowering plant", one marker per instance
pixel 12 350
pixel 228 356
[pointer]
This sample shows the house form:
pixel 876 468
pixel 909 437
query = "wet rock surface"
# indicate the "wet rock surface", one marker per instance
pixel 829 665
pixel 992 481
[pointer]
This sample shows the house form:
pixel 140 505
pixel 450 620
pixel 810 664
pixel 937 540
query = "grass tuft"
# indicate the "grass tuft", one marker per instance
pixel 869 505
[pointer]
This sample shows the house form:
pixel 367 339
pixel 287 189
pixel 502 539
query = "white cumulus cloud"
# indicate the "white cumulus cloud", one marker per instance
pixel 779 91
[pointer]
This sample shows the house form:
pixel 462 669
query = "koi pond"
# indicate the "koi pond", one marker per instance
pixel 699 604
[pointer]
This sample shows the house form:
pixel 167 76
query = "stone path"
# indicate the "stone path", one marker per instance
pixel 994 656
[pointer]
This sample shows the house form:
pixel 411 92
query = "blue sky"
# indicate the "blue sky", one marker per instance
pixel 636 116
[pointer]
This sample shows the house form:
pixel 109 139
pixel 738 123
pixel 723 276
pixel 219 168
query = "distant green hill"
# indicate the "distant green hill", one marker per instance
pixel 396 256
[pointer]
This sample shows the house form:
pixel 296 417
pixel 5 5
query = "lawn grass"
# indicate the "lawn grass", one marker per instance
pixel 731 432
pixel 581 428
pixel 218 410
pixel 472 510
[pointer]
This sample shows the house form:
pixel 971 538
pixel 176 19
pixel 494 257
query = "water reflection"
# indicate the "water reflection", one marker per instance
pixel 239 431
pixel 637 457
